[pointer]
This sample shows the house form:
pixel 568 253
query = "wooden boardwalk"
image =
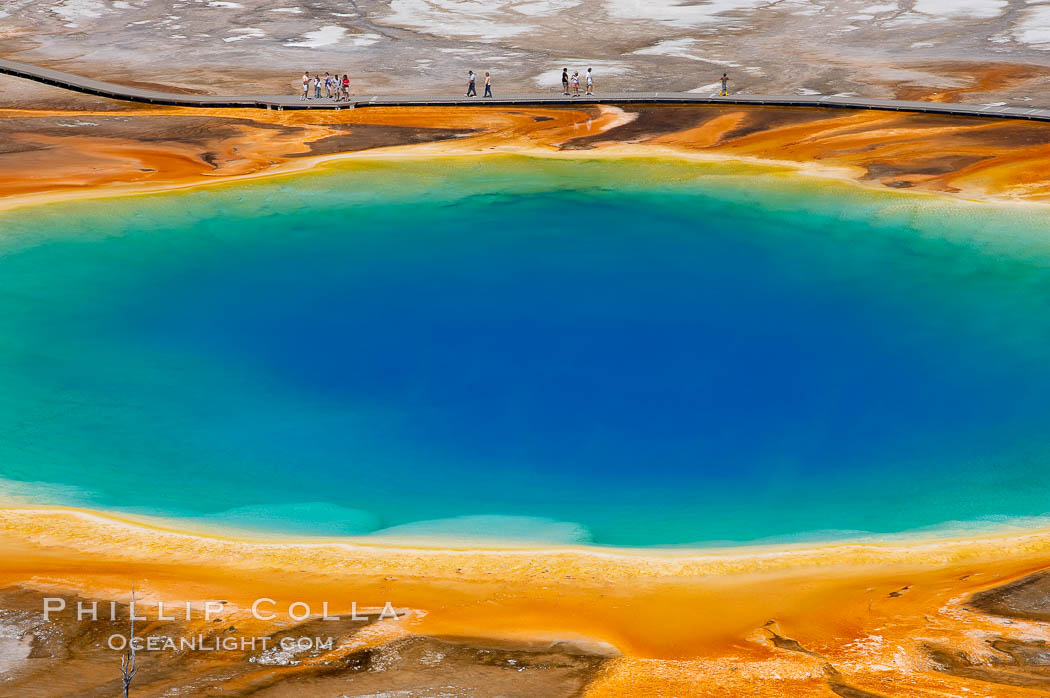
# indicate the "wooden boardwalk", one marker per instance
pixel 111 90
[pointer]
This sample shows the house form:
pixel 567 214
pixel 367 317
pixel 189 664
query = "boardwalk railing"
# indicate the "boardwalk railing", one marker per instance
pixel 111 90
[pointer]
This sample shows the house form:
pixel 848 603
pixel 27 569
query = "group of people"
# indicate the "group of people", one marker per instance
pixel 566 83
pixel 472 90
pixel 573 82
pixel 332 86
pixel 338 89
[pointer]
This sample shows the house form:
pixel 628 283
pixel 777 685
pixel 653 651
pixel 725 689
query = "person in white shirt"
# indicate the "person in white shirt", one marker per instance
pixel 590 82
pixel 471 90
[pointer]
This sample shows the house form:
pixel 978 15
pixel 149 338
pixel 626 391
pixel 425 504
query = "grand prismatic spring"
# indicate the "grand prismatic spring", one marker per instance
pixel 626 353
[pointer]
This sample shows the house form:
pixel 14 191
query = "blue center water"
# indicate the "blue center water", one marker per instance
pixel 622 353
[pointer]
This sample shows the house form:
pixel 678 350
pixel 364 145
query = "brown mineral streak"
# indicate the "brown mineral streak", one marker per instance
pixel 43 158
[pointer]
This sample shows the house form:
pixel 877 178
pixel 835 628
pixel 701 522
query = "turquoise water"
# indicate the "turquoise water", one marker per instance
pixel 620 353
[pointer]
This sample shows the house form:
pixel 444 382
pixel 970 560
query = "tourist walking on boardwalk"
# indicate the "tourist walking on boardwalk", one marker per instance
pixel 576 83
pixel 346 88
pixel 590 82
pixel 488 84
pixel 328 85
pixel 725 85
pixel 317 86
pixel 471 90
pixel 306 87
pixel 565 81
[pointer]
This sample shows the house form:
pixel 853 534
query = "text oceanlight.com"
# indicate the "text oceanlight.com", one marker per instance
pixel 202 643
